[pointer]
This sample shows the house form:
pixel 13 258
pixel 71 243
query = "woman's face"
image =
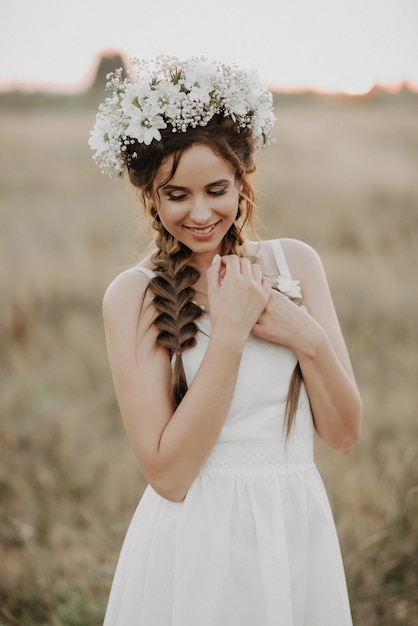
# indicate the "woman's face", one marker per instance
pixel 199 203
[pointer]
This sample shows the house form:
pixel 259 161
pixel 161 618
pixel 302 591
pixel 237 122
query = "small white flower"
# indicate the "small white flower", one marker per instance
pixel 99 136
pixel 169 98
pixel 199 94
pixel 198 74
pixel 148 129
pixel 288 286
pixel 133 97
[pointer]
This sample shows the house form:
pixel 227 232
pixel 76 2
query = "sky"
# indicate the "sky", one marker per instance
pixel 325 45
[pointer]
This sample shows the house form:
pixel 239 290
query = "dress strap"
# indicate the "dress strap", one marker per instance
pixel 280 258
pixel 285 283
pixel 144 270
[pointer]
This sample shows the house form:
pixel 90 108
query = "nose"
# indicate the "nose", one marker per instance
pixel 200 211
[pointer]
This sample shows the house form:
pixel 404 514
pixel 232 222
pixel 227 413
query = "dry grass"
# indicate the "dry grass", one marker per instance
pixel 342 177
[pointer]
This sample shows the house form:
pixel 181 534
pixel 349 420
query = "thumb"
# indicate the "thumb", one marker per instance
pixel 266 284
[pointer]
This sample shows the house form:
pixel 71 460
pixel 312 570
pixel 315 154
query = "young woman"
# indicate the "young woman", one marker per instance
pixel 226 355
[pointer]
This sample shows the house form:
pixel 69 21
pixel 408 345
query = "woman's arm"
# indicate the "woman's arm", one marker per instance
pixel 317 340
pixel 172 445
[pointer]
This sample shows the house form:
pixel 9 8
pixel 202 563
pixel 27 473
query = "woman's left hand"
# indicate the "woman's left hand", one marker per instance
pixel 285 323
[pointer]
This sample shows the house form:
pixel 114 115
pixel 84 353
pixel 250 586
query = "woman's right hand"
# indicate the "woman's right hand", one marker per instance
pixel 237 293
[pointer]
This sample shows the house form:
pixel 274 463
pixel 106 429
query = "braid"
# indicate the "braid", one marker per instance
pixel 174 294
pixel 173 298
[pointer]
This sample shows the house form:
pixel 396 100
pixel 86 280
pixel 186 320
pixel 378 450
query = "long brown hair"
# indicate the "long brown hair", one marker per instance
pixel 172 285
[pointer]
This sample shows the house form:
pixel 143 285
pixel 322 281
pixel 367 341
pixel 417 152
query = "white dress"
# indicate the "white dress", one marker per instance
pixel 254 542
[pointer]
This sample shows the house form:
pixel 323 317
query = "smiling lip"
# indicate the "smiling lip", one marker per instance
pixel 202 233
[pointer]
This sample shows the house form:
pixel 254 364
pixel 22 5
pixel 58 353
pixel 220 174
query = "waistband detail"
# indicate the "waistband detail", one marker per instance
pixel 262 457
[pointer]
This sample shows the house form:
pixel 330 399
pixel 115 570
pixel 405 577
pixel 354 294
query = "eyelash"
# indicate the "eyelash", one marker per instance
pixel 178 198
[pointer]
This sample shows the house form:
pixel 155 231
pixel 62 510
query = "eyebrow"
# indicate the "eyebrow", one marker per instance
pixel 171 187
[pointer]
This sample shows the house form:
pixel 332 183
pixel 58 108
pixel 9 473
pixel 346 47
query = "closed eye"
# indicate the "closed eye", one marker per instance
pixel 217 191
pixel 176 197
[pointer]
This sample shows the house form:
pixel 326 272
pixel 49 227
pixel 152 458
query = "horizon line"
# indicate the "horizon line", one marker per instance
pixel 80 87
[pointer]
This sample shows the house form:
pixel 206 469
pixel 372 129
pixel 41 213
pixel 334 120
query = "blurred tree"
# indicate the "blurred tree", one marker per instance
pixel 108 62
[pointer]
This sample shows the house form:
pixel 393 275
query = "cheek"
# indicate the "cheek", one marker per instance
pixel 231 205
pixel 170 213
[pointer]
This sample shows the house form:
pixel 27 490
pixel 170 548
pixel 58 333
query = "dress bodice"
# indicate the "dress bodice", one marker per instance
pixel 258 405
pixel 259 400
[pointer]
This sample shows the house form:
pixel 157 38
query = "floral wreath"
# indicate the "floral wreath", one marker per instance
pixel 181 94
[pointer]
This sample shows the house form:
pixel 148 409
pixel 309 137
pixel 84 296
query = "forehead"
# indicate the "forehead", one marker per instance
pixel 199 164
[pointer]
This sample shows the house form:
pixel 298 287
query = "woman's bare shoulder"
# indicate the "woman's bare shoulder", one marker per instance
pixel 296 247
pixel 131 282
pixel 127 299
pixel 301 257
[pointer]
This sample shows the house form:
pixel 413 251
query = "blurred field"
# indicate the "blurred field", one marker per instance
pixel 343 177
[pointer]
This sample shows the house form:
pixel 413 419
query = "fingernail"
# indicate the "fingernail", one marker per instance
pixel 216 258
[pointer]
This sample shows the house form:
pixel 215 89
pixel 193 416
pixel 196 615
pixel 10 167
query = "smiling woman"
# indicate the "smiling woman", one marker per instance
pixel 221 374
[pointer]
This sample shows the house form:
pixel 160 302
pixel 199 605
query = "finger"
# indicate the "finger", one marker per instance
pixel 245 267
pixel 256 271
pixel 213 272
pixel 232 264
pixel 266 282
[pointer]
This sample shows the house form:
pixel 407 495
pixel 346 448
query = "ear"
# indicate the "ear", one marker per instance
pixel 150 205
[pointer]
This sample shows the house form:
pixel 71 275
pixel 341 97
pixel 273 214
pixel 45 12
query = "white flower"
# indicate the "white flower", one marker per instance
pixel 169 98
pixel 99 136
pixel 198 74
pixel 199 94
pixel 288 286
pixel 148 129
pixel 133 97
